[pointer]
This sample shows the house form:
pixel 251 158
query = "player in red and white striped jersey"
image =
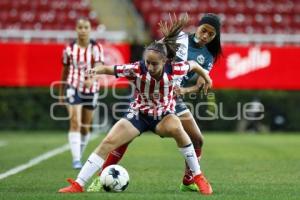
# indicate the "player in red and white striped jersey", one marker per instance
pixel 81 55
pixel 78 59
pixel 204 47
pixel 153 109
pixel 153 97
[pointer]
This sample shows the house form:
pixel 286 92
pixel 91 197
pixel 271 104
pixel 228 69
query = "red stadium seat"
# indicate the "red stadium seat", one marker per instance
pixel 44 14
pixel 238 16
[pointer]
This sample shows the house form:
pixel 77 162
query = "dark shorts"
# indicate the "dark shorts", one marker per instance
pixel 143 122
pixel 88 100
pixel 180 107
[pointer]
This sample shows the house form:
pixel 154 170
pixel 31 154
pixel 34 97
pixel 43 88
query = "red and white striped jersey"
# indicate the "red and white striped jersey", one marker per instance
pixel 79 60
pixel 153 97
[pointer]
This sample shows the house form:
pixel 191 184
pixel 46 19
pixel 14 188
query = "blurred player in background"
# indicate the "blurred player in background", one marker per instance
pixel 154 78
pixel 204 47
pixel 82 54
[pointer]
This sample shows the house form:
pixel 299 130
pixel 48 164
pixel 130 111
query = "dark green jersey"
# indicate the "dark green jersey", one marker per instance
pixel 189 50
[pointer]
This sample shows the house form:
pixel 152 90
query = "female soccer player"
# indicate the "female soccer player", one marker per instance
pixel 153 109
pixel 204 47
pixel 81 55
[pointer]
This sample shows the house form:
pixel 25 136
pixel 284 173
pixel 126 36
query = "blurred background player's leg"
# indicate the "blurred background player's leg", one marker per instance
pixel 74 134
pixel 87 119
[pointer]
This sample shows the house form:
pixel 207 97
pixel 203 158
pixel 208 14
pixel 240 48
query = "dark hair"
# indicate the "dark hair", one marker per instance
pixel 83 19
pixel 214 47
pixel 168 45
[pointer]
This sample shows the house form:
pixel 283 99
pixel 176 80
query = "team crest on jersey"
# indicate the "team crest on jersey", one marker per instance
pixel 200 59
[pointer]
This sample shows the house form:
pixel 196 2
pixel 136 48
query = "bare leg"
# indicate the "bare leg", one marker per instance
pixel 75 117
pixel 87 118
pixel 190 126
pixel 122 132
pixel 74 131
pixel 170 126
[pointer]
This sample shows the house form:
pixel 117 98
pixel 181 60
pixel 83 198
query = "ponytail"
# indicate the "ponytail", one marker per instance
pixel 171 30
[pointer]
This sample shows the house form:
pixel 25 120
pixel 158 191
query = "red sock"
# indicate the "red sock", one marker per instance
pixel 188 175
pixel 115 156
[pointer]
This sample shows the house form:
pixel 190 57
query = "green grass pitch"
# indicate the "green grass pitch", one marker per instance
pixel 239 167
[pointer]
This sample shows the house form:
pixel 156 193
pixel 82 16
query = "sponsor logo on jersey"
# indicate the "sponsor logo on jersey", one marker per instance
pixel 200 59
pixel 255 60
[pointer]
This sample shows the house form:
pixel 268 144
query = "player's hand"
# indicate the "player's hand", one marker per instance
pixel 207 85
pixel 88 82
pixel 200 81
pixel 90 73
pixel 179 91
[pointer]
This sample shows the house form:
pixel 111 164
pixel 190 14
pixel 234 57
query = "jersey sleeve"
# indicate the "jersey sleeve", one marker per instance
pixel 127 70
pixel 182 52
pixel 181 69
pixel 98 53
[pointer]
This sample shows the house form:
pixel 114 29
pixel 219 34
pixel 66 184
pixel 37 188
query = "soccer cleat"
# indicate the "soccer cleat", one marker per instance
pixel 203 185
pixel 73 188
pixel 77 164
pixel 95 186
pixel 188 188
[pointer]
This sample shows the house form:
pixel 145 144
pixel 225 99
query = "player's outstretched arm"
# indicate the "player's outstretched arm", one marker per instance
pixel 192 89
pixel 103 69
pixel 195 67
pixel 91 74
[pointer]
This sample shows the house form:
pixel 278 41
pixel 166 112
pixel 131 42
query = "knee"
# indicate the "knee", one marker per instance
pixel 175 130
pixel 74 124
pixel 173 127
pixel 84 130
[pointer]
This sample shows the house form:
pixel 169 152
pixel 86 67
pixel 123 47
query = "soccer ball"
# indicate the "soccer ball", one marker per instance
pixel 114 178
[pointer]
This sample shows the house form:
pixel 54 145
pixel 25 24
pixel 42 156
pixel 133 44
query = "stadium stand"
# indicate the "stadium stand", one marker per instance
pixel 44 14
pixel 251 16
pixel 249 21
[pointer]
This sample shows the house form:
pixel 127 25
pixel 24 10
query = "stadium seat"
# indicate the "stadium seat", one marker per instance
pixel 44 14
pixel 238 16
